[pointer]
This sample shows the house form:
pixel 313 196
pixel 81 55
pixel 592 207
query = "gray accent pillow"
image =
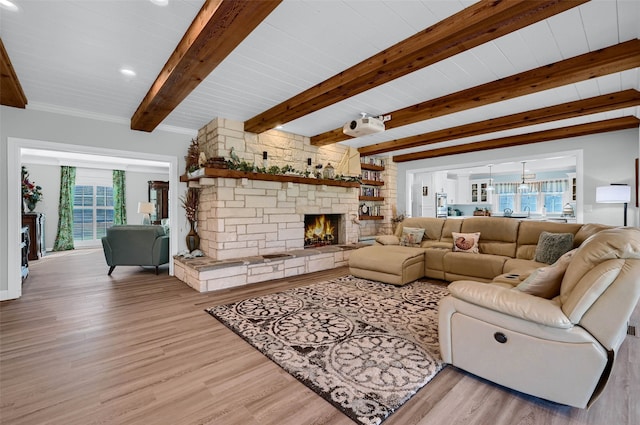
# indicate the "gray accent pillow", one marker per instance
pixel 552 246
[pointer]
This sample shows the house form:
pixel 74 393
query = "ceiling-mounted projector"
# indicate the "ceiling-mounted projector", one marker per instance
pixel 363 126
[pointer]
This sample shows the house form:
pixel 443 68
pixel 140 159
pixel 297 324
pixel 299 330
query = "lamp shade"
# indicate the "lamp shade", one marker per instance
pixel 146 208
pixel 614 194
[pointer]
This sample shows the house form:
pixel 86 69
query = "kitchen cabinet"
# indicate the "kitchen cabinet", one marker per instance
pixel 479 192
pixel 452 191
pixel 463 192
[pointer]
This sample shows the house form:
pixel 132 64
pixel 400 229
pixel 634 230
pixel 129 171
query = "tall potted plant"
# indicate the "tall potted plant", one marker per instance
pixel 190 203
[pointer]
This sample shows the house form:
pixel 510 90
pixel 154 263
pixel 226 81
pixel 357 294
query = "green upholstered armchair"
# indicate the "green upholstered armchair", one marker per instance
pixel 135 245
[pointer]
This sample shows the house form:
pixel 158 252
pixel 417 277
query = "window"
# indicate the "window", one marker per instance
pixel 529 202
pixel 506 200
pixel 92 206
pixel 553 202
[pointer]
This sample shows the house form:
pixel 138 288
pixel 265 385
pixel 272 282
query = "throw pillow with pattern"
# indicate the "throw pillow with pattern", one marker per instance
pixel 466 242
pixel 411 236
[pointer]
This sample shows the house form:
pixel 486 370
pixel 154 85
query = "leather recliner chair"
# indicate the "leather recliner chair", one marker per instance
pixel 135 245
pixel 560 349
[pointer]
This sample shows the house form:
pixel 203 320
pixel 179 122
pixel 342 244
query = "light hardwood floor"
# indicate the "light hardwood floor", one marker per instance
pixel 83 348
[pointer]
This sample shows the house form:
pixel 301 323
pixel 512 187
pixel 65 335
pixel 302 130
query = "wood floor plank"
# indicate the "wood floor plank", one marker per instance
pixel 83 348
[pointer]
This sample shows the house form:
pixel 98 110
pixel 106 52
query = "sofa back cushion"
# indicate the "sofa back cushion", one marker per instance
pixel 450 226
pixel 499 234
pixel 432 226
pixel 587 230
pixel 529 234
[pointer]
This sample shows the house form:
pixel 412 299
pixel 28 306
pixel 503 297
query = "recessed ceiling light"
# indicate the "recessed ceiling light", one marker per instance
pixel 160 2
pixel 127 72
pixel 9 5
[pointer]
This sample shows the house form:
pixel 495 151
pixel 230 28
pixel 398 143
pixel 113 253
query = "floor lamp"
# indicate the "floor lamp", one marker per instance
pixel 146 208
pixel 614 194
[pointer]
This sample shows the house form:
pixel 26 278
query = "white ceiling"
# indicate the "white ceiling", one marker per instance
pixel 67 55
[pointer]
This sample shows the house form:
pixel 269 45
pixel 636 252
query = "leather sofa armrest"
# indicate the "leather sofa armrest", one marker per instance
pixel 511 302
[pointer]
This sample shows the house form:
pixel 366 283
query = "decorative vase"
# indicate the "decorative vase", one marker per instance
pixel 31 205
pixel 193 240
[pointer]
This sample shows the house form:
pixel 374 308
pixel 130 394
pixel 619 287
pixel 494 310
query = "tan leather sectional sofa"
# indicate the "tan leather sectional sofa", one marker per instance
pixel 560 346
pixel 507 246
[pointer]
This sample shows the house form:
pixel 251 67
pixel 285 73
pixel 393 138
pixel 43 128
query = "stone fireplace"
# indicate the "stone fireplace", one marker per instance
pixel 243 217
pixel 254 229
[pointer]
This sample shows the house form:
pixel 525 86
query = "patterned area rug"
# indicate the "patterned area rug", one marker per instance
pixel 364 346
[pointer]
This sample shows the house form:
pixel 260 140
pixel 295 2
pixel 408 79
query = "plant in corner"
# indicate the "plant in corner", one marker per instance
pixel 31 193
pixel 190 202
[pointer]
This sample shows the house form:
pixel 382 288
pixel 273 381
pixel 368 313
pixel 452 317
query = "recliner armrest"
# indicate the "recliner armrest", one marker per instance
pixel 511 302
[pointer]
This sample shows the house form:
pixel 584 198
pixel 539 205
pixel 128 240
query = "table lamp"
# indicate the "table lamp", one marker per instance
pixel 146 208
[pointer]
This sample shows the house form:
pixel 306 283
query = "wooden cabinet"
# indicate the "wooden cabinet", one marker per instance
pixel 159 196
pixel 35 222
pixel 370 199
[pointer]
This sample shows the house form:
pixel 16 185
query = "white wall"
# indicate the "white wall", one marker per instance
pixel 607 158
pixel 83 132
pixel 138 190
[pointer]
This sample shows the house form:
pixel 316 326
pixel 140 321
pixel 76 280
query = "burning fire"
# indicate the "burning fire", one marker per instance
pixel 320 231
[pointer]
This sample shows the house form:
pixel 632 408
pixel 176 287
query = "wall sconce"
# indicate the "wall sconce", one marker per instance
pixel 146 208
pixel 614 194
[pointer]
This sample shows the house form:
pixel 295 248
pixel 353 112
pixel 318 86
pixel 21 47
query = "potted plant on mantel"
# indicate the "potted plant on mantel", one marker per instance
pixel 190 203
pixel 31 193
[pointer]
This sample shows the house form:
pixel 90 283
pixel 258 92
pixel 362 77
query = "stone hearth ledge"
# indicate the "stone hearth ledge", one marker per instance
pixel 205 274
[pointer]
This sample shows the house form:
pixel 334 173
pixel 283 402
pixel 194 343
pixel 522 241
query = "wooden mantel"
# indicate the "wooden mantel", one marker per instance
pixel 237 174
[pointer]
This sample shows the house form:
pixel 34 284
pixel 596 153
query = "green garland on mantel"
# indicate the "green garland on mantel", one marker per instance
pixel 235 163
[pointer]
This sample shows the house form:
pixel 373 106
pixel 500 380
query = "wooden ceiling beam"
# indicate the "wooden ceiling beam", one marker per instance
pixel 477 24
pixel 11 93
pixel 617 58
pixel 525 139
pixel 593 105
pixel 219 27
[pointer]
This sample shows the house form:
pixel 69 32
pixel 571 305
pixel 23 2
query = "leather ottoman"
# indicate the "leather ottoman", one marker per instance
pixel 397 265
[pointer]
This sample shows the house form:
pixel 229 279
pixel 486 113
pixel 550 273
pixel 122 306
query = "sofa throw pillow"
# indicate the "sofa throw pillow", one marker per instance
pixel 388 240
pixel 545 282
pixel 552 246
pixel 411 236
pixel 466 242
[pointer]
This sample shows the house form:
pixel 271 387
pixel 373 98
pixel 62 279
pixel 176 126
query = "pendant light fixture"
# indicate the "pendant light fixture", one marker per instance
pixel 490 188
pixel 523 186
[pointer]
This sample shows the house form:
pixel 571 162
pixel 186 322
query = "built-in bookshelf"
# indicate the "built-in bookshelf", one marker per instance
pixel 370 191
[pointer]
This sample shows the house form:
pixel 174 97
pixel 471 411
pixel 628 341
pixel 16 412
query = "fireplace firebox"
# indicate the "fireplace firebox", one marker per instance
pixel 322 229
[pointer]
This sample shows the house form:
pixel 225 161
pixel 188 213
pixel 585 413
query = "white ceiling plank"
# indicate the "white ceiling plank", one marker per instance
pixel 628 19
pixel 599 19
pixel 569 33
